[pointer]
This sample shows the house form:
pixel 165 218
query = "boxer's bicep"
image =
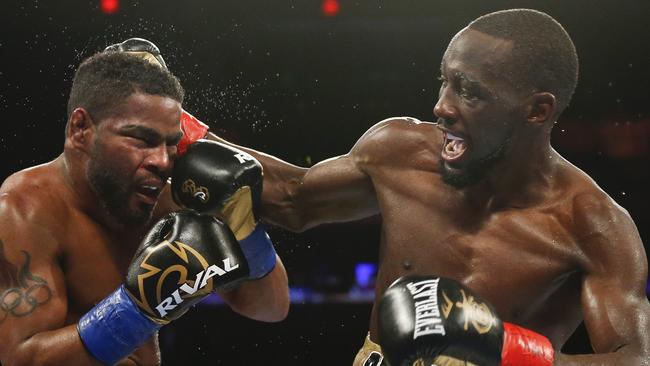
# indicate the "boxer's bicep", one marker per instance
pixel 334 190
pixel 32 290
pixel 614 304
pixel 616 318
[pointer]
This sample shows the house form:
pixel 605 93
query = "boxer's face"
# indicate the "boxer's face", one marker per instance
pixel 132 155
pixel 478 108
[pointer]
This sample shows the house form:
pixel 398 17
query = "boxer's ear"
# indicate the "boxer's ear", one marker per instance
pixel 80 129
pixel 541 109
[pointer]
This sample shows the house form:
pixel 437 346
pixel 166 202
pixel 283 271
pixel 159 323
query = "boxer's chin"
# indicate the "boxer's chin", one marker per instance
pixel 129 209
pixel 121 202
pixel 137 213
pixel 459 177
pixel 471 171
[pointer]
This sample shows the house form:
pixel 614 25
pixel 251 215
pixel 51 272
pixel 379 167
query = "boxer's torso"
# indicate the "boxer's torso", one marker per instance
pixel 524 260
pixel 93 259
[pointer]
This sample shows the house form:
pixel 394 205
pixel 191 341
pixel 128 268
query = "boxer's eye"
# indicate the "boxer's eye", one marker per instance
pixel 146 141
pixel 468 94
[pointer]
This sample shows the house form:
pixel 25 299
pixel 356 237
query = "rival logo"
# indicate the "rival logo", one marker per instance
pixel 195 191
pixel 154 286
pixel 175 299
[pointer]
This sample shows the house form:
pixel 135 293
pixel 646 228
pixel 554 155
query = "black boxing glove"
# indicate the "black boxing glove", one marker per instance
pixel 428 320
pixel 193 129
pixel 221 180
pixel 139 47
pixel 183 258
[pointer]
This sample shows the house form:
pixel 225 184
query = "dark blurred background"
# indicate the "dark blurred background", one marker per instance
pixel 303 80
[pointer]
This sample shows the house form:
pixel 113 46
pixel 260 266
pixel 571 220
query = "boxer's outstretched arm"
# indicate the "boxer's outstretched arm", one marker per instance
pixel 33 294
pixel 335 190
pixel 614 304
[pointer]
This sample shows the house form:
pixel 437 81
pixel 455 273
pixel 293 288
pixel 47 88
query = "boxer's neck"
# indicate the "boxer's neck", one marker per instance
pixel 523 179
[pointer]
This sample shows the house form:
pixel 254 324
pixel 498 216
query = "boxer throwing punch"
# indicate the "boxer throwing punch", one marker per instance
pixel 482 189
pixel 92 264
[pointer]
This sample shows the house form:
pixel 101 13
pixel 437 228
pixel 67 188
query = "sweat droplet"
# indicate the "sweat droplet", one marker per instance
pixel 407 265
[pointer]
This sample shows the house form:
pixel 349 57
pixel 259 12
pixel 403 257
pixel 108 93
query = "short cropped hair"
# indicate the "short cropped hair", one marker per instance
pixel 543 56
pixel 103 81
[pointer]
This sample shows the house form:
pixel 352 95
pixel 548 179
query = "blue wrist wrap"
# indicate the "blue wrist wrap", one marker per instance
pixel 115 327
pixel 259 252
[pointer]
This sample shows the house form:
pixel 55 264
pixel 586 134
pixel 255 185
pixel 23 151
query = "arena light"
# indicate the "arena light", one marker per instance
pixel 330 8
pixel 109 6
pixel 365 274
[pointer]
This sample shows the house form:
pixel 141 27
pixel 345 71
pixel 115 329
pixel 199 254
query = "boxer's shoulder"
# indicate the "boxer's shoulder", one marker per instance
pixel 401 129
pixel 585 198
pixel 595 213
pixel 397 138
pixel 33 197
pixel 602 228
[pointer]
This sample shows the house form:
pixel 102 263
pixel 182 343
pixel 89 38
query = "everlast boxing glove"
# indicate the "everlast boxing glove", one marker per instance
pixel 193 129
pixel 218 179
pixel 437 321
pixel 183 258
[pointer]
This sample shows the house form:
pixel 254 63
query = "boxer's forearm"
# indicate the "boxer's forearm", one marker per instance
pixel 265 299
pixel 281 180
pixel 624 356
pixel 57 347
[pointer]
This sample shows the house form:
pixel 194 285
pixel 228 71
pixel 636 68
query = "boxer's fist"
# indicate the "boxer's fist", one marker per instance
pixel 433 318
pixel 215 178
pixel 183 258
pixel 438 321
pixel 221 180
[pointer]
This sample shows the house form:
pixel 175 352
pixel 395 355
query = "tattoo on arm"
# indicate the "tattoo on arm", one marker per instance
pixel 21 292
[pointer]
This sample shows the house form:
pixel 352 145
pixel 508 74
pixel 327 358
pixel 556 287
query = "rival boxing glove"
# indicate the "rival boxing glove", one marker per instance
pixel 193 129
pixel 183 258
pixel 428 320
pixel 221 180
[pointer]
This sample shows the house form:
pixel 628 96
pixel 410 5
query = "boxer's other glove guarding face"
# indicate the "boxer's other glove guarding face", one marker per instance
pixel 437 321
pixel 182 259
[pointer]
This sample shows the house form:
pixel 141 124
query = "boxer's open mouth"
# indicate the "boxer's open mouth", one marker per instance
pixel 453 147
pixel 149 192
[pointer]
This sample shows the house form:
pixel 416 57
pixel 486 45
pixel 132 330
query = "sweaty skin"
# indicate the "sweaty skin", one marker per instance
pixel 536 237
pixel 61 252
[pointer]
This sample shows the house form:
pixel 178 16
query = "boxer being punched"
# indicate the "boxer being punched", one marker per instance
pixel 91 264
pixel 481 197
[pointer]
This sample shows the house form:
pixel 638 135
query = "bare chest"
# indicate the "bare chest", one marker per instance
pixel 95 264
pixel 515 259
